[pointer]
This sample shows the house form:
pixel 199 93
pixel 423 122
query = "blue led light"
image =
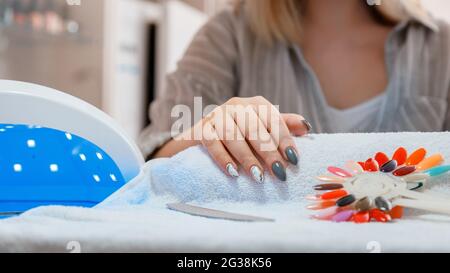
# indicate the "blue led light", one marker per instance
pixel 42 166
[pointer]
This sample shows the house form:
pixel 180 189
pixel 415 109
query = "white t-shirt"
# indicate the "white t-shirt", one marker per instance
pixel 347 120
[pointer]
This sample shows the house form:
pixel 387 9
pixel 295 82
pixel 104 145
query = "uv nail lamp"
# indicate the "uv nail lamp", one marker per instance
pixel 56 149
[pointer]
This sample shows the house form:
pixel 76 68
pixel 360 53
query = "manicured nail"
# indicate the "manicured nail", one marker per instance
pixel 257 174
pixel 307 124
pixel 279 171
pixel 232 170
pixel 291 155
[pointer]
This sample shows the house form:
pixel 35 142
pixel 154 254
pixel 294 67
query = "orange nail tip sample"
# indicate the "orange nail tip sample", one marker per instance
pixel 400 155
pixel 416 157
pixel 334 194
pixel 430 162
pixel 371 165
pixel 381 158
pixel 396 212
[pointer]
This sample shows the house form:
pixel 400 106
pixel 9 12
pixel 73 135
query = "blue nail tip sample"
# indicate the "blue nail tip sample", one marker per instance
pixel 438 170
pixel 42 166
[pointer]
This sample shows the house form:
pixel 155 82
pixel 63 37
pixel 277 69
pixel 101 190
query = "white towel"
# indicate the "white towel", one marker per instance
pixel 136 219
pixel 193 176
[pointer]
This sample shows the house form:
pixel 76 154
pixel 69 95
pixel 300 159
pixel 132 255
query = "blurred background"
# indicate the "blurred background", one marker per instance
pixel 113 54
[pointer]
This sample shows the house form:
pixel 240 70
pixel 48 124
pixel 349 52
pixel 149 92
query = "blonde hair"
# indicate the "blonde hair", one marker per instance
pixel 279 20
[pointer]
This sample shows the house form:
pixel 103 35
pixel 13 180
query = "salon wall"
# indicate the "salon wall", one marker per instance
pixel 439 8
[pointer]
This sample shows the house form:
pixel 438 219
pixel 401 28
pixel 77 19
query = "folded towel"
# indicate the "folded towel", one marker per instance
pixel 136 219
pixel 193 176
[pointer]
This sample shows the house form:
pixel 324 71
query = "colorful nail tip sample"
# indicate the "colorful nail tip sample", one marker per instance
pixel 342 201
pixel 381 158
pixel 404 170
pixel 438 170
pixel 430 162
pixel 416 157
pixel 343 216
pixel 339 172
pixel 383 204
pixel 353 167
pixel 333 195
pixel 363 204
pixel 379 216
pixel 346 201
pixel 328 187
pixel 361 217
pixel 389 166
pixel 322 205
pixel 328 178
pixel 400 155
pixel 371 165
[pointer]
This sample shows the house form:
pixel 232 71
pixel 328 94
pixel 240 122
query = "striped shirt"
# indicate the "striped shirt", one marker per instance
pixel 226 60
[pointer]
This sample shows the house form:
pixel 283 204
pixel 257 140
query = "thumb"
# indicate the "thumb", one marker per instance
pixel 296 124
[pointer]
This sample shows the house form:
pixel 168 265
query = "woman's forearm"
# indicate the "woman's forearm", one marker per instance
pixel 173 147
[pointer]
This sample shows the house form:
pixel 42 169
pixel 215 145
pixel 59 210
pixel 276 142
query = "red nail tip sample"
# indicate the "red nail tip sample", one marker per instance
pixel 381 158
pixel 400 156
pixel 379 216
pixel 361 217
pixel 371 165
pixel 404 170
pixel 334 194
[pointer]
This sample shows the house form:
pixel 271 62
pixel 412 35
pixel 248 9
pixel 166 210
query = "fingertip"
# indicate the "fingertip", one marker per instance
pixel 232 170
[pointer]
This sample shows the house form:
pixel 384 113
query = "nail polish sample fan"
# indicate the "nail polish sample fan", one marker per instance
pixel 56 149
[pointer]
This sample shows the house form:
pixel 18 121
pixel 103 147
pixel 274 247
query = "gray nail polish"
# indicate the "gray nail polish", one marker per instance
pixel 291 155
pixel 232 170
pixel 279 171
pixel 307 124
pixel 257 174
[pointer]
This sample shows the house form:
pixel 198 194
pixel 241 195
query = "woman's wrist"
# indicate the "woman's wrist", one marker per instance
pixel 173 147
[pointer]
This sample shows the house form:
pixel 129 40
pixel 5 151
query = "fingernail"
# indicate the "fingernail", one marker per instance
pixel 257 174
pixel 279 171
pixel 291 155
pixel 232 170
pixel 307 124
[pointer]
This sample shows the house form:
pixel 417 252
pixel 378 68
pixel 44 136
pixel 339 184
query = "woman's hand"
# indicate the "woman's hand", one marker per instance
pixel 250 133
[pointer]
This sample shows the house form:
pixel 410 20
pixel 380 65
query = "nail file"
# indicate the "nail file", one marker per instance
pixel 215 214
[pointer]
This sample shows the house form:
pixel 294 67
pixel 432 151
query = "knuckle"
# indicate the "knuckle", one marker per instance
pixel 230 133
pixel 233 100
pixel 259 98
pixel 286 140
pixel 249 160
